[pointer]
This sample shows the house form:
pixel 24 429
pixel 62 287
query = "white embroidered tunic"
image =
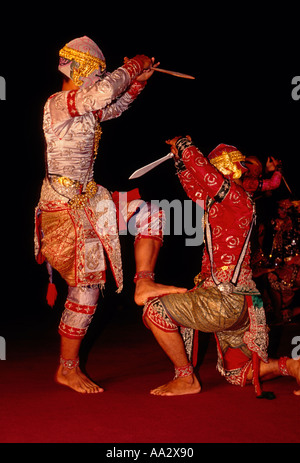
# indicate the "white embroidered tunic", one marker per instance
pixel 71 235
pixel 70 120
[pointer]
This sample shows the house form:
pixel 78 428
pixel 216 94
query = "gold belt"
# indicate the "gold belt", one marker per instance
pixel 225 267
pixel 68 182
pixel 201 276
pixel 79 200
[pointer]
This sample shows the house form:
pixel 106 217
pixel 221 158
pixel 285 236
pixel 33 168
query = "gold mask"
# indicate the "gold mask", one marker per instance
pixel 227 163
pixel 84 65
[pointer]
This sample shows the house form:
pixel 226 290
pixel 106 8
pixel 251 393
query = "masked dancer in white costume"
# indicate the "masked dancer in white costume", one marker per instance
pixel 76 220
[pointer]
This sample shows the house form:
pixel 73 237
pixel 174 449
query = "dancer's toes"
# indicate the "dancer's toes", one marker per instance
pixel 179 386
pixel 76 380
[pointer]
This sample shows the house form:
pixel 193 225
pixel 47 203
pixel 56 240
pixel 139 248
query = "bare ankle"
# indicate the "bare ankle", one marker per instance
pixel 189 380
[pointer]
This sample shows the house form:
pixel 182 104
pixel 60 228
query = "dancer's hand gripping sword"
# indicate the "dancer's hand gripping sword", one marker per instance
pixel 155 67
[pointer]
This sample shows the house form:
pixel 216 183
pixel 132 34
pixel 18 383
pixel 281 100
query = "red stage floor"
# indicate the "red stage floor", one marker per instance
pixel 127 362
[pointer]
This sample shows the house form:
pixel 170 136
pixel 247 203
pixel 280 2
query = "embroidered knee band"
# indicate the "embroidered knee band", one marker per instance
pixel 155 312
pixel 282 366
pixel 181 372
pixel 76 319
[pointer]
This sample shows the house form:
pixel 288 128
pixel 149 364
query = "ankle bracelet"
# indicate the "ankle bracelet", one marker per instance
pixel 282 366
pixel 186 370
pixel 144 275
pixel 69 363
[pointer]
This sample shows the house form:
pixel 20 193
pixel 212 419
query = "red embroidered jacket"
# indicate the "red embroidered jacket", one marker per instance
pixel 230 219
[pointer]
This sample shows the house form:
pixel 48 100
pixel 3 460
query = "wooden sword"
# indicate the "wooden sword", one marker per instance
pixel 173 73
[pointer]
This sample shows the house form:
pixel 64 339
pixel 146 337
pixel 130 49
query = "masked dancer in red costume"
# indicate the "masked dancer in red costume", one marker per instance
pixel 225 300
pixel 76 220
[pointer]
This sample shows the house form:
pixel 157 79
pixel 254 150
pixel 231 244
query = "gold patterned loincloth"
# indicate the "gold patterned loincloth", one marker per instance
pixel 73 241
pixel 74 250
pixel 206 310
pixel 58 243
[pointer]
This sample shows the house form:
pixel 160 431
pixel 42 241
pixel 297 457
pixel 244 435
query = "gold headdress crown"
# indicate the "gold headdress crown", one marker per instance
pixel 227 163
pixel 87 63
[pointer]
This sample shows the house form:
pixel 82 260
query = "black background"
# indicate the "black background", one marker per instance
pixel 243 58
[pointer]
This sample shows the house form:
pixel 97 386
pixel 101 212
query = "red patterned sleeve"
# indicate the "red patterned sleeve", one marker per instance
pixel 71 103
pixel 134 66
pixel 253 185
pixel 135 88
pixel 273 182
pixel 200 178
pixel 191 186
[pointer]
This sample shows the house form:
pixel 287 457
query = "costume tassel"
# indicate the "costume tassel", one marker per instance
pixel 195 348
pixel 51 294
pixel 260 394
pixel 256 382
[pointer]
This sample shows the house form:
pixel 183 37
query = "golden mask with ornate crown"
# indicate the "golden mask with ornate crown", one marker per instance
pixel 228 163
pixel 83 63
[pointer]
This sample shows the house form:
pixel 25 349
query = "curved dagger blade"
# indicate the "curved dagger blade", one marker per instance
pixel 148 167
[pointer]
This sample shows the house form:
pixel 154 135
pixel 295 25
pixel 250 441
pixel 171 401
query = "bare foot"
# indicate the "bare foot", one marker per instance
pixel 293 367
pixel 179 386
pixel 145 289
pixel 76 380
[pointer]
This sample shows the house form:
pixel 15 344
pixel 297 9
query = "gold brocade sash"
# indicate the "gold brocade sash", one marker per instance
pixel 63 244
